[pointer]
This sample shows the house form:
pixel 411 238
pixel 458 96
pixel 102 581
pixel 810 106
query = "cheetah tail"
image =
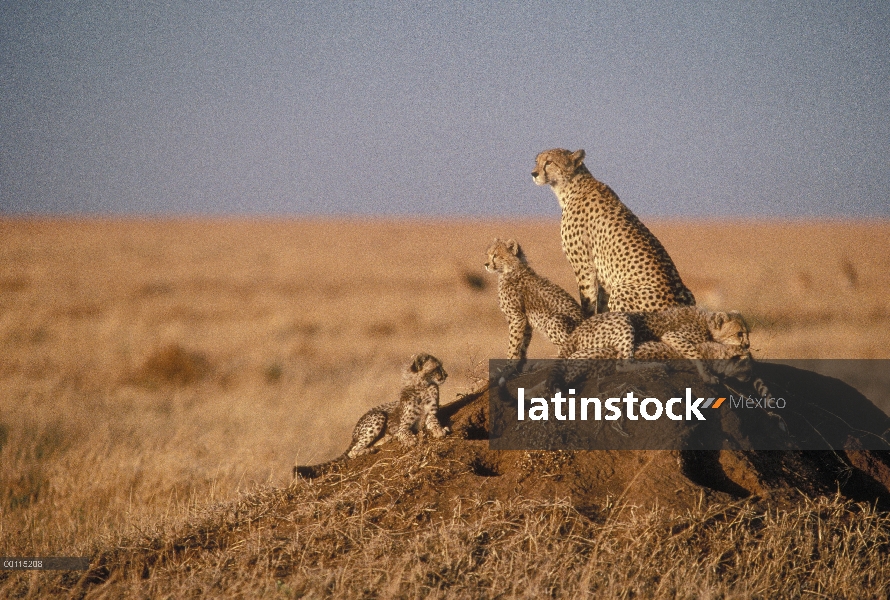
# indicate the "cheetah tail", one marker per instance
pixel 761 388
pixel 313 471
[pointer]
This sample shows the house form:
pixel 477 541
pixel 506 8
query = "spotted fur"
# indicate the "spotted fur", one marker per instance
pixel 528 300
pixel 417 407
pixel 687 331
pixel 683 328
pixel 725 360
pixel 618 263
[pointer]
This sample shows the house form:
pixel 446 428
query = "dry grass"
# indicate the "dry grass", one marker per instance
pixel 351 537
pixel 150 368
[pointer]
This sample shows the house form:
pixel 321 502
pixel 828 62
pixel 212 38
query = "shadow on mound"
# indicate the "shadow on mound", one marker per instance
pixel 824 413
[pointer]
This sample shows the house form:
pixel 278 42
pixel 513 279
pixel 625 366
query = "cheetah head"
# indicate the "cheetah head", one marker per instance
pixel 425 368
pixel 729 328
pixel 553 167
pixel 504 256
pixel 729 360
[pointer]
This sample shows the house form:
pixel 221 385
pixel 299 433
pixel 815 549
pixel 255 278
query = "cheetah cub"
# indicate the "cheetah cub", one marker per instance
pixel 729 361
pixel 529 300
pixel 725 360
pixel 418 405
pixel 616 259
pixel 688 331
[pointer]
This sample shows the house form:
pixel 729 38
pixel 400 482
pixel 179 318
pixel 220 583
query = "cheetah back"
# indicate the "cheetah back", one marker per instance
pixel 608 331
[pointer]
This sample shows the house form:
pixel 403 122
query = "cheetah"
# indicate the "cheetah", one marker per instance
pixel 688 331
pixel 619 265
pixel 731 361
pixel 727 360
pixel 418 405
pixel 529 300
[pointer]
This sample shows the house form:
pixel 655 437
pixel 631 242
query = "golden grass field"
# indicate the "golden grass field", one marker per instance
pixel 152 368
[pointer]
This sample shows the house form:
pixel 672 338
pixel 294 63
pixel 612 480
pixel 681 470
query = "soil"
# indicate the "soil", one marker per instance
pixel 844 420
pixel 409 490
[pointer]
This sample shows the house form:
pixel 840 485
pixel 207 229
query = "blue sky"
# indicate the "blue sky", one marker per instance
pixel 698 109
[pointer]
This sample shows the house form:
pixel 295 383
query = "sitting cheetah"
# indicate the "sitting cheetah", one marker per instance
pixel 529 300
pixel 417 405
pixel 688 331
pixel 612 253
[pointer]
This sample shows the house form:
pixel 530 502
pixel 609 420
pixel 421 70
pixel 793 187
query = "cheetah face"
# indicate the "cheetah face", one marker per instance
pixel 438 375
pixel 555 166
pixel 739 367
pixel 428 368
pixel 729 328
pixel 503 256
pixel 495 262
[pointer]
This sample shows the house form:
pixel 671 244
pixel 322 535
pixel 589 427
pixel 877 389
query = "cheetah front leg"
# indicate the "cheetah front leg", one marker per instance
pixel 580 365
pixel 602 298
pixel 405 432
pixel 520 337
pixel 594 299
pixel 578 249
pixel 688 349
pixel 432 423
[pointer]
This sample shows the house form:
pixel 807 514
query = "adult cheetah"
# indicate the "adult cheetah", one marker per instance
pixel 417 406
pixel 617 261
pixel 529 300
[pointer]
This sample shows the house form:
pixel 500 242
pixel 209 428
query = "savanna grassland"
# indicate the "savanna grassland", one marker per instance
pixel 162 375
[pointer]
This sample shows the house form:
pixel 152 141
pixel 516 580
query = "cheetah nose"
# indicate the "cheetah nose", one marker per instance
pixel 535 174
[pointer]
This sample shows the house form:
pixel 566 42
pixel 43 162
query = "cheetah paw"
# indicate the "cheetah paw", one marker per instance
pixel 441 432
pixel 506 373
pixel 408 440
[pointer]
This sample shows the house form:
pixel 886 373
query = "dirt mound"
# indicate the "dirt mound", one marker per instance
pixel 826 410
pixel 400 507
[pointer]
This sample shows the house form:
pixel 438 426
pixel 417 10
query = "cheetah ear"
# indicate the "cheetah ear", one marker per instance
pixel 417 362
pixel 735 315
pixel 516 249
pixel 578 158
pixel 718 319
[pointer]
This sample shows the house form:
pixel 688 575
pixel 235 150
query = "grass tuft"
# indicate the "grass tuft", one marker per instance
pixel 172 365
